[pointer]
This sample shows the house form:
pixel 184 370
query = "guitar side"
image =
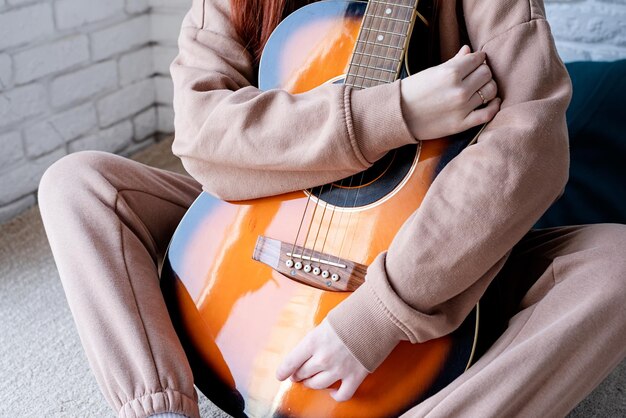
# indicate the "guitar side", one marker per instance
pixel 238 318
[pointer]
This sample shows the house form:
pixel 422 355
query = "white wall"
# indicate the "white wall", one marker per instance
pixel 588 29
pixel 74 75
pixel 167 16
pixel 94 74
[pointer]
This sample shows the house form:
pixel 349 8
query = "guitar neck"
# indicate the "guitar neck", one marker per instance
pixel 381 43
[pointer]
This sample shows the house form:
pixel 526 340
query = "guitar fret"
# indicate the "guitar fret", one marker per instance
pixel 385 25
pixel 387 32
pixel 390 4
pixel 374 68
pixel 386 3
pixel 376 56
pixel 371 78
pixel 391 18
pixel 381 45
pixel 390 15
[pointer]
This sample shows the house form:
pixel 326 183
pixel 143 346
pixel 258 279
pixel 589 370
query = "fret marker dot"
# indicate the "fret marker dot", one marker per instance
pixel 388 11
pixel 380 37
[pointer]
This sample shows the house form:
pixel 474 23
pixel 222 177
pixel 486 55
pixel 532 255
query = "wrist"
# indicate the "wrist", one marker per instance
pixel 363 325
pixel 405 106
pixel 377 120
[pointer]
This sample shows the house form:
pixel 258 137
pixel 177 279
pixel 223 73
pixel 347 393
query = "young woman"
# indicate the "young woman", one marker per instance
pixel 109 219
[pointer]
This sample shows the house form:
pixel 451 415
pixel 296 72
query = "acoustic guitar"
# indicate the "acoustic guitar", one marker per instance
pixel 245 281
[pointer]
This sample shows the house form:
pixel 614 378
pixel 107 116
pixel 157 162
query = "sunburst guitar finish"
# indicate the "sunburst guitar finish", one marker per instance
pixel 238 318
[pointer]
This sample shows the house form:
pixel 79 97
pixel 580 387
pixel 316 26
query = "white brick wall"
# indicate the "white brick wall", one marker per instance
pixel 166 18
pixel 94 74
pixel 135 98
pixel 136 66
pixel 55 57
pixel 74 75
pixel 588 29
pixel 6 71
pixel 75 13
pixel 91 80
pixel 121 37
pixel 27 24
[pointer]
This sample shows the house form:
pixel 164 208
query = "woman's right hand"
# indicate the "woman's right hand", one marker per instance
pixel 443 100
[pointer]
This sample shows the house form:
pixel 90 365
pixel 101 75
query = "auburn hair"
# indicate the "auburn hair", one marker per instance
pixel 254 20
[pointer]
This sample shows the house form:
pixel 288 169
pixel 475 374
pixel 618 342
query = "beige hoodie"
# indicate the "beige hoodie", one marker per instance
pixel 238 142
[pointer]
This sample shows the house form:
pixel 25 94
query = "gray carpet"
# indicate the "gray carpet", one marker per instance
pixel 43 371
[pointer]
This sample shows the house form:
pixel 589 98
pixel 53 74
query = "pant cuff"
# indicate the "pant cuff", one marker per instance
pixel 159 402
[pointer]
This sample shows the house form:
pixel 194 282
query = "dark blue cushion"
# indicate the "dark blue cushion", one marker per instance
pixel 596 119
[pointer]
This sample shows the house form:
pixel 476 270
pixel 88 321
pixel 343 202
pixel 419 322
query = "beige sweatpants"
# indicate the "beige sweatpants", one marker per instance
pixel 109 220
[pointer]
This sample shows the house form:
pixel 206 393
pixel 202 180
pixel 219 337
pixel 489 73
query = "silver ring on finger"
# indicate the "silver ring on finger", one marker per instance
pixel 481 96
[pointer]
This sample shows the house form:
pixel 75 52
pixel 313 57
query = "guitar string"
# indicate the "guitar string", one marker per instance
pixel 368 24
pixel 321 190
pixel 351 64
pixel 304 245
pixel 356 198
pixel 321 252
pixel 386 54
pixel 293 247
pixel 369 17
pixel 320 225
pixel 390 75
pixel 347 193
pixel 306 238
pixel 404 30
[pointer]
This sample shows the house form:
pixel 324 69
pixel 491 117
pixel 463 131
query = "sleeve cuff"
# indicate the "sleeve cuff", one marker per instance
pixel 364 325
pixel 377 120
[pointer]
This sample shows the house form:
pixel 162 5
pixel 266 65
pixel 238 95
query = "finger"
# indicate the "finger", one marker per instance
pixel 489 92
pixel 321 380
pixel 465 64
pixel 292 362
pixel 465 49
pixel 483 115
pixel 477 78
pixel 346 390
pixel 308 369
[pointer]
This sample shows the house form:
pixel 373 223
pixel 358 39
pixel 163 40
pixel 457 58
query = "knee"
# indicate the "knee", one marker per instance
pixel 609 261
pixel 611 241
pixel 69 176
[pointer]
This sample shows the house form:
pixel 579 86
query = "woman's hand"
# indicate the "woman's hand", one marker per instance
pixel 443 100
pixel 320 360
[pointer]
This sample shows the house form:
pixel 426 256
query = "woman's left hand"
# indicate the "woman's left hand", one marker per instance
pixel 320 360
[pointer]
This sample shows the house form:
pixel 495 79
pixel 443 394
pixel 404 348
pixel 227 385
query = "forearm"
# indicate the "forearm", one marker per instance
pixel 240 142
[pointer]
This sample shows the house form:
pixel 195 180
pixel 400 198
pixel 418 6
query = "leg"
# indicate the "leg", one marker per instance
pixel 567 335
pixel 108 220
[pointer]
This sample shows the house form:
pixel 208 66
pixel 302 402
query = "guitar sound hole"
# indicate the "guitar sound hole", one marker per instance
pixel 372 184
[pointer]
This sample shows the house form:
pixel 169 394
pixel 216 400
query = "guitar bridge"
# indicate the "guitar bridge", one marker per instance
pixel 319 270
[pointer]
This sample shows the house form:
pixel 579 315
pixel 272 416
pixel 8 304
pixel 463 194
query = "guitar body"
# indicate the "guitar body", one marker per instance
pixel 238 317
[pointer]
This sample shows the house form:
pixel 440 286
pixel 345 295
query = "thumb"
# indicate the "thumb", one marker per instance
pixel 465 49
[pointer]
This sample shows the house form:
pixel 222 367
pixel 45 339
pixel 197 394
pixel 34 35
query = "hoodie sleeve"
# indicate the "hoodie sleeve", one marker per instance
pixel 241 143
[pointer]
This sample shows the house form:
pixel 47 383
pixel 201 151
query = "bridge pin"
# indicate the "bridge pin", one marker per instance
pixel 307 268
pixel 325 274
pixel 289 263
pixel 298 265
pixel 334 277
pixel 317 271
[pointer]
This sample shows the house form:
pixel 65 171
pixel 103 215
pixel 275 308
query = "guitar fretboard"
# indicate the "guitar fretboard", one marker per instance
pixel 381 43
